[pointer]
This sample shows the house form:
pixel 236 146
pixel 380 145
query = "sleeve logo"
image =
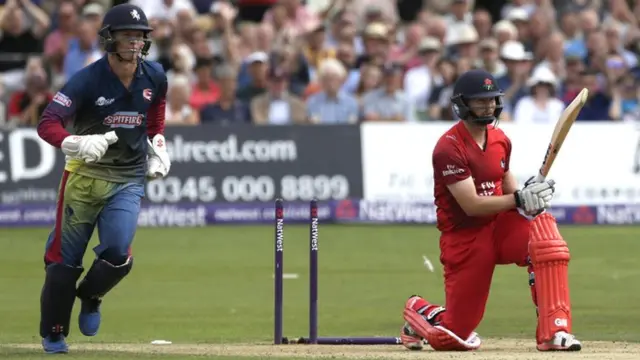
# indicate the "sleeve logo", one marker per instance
pixel 62 99
pixel 452 170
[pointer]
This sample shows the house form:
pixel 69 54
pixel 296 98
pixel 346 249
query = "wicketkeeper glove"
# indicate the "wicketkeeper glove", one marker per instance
pixel 535 197
pixel 158 162
pixel 89 148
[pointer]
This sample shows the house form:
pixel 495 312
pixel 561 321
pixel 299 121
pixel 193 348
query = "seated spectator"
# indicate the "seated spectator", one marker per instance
pixel 597 106
pixel 228 109
pixel 82 49
pixel 93 13
pixel 376 44
pixel 439 103
pixel 370 79
pixel 177 109
pixel 257 69
pixel 182 61
pixel 489 58
pixel 541 106
pixel 388 103
pixel 572 83
pixel 626 99
pixel 205 91
pixel 278 106
pixel 347 55
pixel 315 51
pixel 292 61
pixel 57 42
pixel 25 107
pixel 419 81
pixel 331 105
pixel 23 26
pixel 517 59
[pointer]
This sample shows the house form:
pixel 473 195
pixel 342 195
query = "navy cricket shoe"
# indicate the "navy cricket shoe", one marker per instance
pixel 55 344
pixel 89 318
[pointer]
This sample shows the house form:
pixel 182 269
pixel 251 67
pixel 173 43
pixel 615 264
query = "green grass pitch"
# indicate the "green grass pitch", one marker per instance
pixel 207 288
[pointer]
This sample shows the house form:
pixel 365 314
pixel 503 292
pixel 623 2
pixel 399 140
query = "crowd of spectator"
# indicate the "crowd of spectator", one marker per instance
pixel 338 61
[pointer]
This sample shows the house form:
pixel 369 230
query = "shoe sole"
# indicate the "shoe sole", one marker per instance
pixel 547 348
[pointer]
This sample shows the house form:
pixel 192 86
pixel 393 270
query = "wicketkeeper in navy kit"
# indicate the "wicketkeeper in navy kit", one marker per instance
pixel 117 107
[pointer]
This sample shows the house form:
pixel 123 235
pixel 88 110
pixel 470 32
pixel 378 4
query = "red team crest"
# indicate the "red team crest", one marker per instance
pixel 146 94
pixel 488 84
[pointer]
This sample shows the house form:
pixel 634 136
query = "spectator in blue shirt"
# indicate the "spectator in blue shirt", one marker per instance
pixel 228 109
pixel 332 105
pixel 598 103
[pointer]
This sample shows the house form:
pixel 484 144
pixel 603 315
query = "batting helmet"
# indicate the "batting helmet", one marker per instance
pixel 124 17
pixel 476 84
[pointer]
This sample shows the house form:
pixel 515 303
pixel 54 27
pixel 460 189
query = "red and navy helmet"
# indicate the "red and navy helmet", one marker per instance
pixel 476 84
pixel 124 17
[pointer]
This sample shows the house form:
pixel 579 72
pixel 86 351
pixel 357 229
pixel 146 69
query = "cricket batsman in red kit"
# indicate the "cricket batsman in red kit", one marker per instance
pixel 481 216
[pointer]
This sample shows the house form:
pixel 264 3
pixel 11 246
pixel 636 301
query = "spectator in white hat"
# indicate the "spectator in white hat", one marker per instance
pixel 518 62
pixel 541 106
pixel 463 41
pixel 419 81
pixel 520 19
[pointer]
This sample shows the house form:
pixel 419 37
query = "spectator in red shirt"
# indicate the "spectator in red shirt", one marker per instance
pixel 205 91
pixel 25 107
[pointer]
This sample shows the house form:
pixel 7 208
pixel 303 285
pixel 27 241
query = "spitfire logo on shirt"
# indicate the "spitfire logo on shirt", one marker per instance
pixel 124 119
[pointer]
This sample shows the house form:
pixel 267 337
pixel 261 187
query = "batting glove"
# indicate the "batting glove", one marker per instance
pixel 535 197
pixel 158 162
pixel 89 148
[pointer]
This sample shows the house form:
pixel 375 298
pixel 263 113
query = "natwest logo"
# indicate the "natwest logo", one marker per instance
pixel 123 120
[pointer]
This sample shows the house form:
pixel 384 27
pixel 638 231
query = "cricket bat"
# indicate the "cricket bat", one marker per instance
pixel 560 133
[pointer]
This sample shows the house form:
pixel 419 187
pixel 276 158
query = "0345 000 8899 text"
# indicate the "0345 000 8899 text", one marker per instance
pixel 174 189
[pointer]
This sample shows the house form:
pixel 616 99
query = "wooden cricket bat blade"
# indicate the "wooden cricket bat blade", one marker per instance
pixel 560 132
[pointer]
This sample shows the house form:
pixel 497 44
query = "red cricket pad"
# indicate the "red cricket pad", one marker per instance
pixel 437 338
pixel 550 259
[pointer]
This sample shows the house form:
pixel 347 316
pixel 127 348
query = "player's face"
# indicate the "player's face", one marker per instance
pixel 129 43
pixel 483 107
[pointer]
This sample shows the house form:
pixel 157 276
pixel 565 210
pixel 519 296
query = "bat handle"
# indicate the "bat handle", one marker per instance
pixel 539 178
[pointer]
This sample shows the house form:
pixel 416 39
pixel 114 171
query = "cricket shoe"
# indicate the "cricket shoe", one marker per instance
pixel 410 339
pixel 89 318
pixel 561 341
pixel 55 344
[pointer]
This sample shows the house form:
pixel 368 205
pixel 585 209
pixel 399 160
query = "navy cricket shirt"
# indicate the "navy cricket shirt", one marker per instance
pixel 97 102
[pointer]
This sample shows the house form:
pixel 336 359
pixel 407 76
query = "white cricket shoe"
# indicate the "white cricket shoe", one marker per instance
pixel 561 341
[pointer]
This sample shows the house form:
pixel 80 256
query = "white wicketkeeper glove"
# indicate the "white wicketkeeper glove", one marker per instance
pixel 535 197
pixel 158 162
pixel 89 148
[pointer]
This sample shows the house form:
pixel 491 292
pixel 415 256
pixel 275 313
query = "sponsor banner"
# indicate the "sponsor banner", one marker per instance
pixel 178 215
pixel 389 212
pixel 599 162
pixel 344 211
pixel 210 164
pixel 259 164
